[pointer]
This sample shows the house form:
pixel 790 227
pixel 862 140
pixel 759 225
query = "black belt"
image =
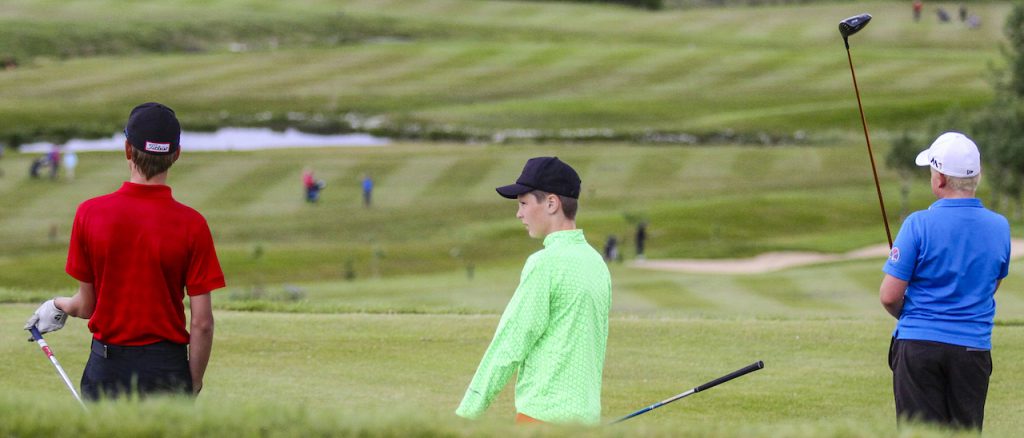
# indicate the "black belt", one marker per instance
pixel 109 350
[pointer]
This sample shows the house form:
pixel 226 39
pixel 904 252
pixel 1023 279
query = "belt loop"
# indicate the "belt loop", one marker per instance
pixel 102 351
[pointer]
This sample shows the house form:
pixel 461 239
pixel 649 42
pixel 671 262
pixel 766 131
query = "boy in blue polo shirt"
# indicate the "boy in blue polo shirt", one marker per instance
pixel 940 283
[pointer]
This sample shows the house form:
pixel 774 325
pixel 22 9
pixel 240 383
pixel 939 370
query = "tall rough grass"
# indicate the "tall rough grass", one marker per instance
pixel 169 417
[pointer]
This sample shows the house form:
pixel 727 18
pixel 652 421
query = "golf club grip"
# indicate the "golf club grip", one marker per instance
pixel 745 370
pixel 35 333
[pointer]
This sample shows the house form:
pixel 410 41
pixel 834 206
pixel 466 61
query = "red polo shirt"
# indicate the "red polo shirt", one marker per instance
pixel 141 250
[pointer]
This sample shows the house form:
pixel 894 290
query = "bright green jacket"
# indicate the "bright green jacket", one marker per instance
pixel 554 333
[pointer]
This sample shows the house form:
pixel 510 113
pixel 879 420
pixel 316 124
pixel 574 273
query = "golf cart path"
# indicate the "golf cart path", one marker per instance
pixel 777 261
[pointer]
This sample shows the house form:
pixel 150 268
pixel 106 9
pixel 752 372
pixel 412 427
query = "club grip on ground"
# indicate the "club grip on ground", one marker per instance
pixel 745 370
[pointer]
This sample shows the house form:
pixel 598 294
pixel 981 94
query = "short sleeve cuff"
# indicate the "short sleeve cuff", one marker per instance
pixel 895 272
pixel 205 288
pixel 84 277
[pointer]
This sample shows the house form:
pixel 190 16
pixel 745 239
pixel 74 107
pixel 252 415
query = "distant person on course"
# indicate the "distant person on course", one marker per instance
pixel 135 253
pixel 53 160
pixel 611 248
pixel 554 331
pixel 70 163
pixel 641 239
pixel 312 186
pixel 367 190
pixel 940 283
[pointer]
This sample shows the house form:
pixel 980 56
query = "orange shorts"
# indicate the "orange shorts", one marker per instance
pixel 526 419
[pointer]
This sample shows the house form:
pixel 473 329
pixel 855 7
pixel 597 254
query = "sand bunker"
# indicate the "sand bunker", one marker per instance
pixel 777 261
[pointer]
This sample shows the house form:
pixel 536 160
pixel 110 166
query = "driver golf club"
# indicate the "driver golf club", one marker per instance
pixel 740 372
pixel 853 25
pixel 849 27
pixel 49 353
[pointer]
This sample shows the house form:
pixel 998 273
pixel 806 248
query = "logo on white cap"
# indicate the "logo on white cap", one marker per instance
pixel 952 154
pixel 158 147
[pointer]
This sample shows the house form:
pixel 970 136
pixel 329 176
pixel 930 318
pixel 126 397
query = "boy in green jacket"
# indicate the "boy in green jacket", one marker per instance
pixel 555 328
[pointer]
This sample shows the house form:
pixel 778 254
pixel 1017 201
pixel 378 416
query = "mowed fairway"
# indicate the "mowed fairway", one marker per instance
pixel 393 349
pixel 518 68
pixel 435 210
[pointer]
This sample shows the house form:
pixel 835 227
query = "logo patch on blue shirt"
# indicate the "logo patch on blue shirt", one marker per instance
pixel 894 255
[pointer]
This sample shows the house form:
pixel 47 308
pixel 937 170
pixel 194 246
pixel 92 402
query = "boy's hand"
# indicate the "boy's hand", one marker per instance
pixel 47 318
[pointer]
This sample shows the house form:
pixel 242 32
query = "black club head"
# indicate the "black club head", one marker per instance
pixel 853 24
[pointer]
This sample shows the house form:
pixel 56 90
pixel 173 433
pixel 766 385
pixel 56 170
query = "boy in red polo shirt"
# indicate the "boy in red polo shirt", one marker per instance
pixel 135 253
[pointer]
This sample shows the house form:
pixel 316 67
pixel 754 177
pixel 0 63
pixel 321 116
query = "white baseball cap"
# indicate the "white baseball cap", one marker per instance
pixel 952 154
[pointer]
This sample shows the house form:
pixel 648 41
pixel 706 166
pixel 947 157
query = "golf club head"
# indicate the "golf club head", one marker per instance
pixel 853 24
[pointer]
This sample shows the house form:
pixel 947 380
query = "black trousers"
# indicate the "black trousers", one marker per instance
pixel 940 383
pixel 114 371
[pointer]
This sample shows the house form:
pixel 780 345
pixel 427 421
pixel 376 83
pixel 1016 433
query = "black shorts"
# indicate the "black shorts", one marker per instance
pixel 940 383
pixel 113 371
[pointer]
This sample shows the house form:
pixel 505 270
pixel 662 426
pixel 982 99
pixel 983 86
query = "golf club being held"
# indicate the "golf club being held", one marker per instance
pixel 740 372
pixel 49 353
pixel 849 27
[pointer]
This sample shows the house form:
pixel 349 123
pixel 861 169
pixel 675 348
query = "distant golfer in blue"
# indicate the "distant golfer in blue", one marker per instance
pixel 367 190
pixel 940 283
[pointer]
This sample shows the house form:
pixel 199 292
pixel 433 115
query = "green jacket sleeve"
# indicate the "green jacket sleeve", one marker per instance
pixel 522 323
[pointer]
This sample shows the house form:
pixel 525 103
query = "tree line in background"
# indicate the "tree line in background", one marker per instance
pixel 998 129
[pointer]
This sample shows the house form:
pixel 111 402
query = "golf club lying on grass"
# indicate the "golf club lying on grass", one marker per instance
pixel 49 353
pixel 740 372
pixel 849 27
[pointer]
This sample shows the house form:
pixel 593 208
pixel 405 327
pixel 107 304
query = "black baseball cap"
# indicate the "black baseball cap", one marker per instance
pixel 153 128
pixel 547 174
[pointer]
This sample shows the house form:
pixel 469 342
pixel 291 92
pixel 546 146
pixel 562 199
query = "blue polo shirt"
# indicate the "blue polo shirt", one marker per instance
pixel 952 255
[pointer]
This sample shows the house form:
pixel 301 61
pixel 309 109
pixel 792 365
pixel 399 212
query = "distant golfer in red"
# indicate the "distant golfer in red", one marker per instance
pixel 135 253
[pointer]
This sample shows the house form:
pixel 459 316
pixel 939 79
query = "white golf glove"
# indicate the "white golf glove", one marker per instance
pixel 47 318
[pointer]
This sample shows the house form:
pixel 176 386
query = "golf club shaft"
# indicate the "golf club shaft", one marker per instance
pixel 871 155
pixel 53 359
pixel 740 372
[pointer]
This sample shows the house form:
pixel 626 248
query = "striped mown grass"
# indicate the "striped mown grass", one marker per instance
pixel 435 209
pixel 501 66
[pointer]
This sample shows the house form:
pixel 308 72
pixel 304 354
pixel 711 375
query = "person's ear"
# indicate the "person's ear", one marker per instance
pixel 128 150
pixel 177 154
pixel 553 204
pixel 943 180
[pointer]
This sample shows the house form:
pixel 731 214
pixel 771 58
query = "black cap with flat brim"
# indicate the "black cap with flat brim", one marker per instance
pixel 153 128
pixel 547 174
pixel 512 191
